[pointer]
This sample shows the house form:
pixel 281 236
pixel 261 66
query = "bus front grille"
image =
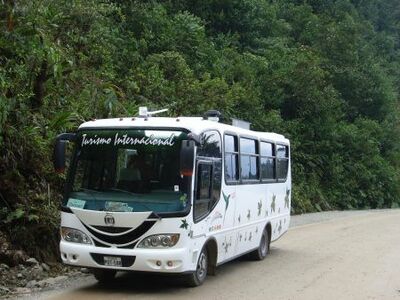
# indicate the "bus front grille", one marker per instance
pixel 124 240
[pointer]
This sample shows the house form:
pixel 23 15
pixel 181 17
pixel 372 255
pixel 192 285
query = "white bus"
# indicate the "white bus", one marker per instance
pixel 171 195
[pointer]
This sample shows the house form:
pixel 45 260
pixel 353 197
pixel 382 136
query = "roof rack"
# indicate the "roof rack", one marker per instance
pixel 241 124
pixel 144 113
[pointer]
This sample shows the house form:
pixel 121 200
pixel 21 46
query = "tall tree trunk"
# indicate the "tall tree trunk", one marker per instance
pixel 38 86
pixel 10 14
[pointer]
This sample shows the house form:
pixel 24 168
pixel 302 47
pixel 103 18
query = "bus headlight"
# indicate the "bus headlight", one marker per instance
pixel 159 241
pixel 74 236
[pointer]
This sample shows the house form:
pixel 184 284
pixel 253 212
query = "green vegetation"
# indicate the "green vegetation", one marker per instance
pixel 324 73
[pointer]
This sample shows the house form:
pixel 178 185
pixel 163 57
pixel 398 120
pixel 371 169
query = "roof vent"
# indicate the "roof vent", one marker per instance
pixel 241 123
pixel 212 115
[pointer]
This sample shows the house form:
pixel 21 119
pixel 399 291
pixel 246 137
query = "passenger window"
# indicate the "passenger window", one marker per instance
pixel 249 159
pixel 249 167
pixel 267 151
pixel 216 182
pixel 231 158
pixel 208 174
pixel 210 145
pixel 204 181
pixel 248 146
pixel 282 151
pixel 203 190
pixel 282 161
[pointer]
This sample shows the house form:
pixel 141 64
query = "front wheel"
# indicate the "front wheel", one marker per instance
pixel 262 251
pixel 199 276
pixel 104 276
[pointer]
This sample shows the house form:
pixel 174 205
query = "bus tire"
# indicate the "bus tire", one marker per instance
pixel 104 276
pixel 199 276
pixel 262 251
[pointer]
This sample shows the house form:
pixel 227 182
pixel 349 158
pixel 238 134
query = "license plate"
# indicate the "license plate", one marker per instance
pixel 112 261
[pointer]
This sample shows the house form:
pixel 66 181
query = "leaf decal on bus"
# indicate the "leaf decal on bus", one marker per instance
pixel 287 198
pixel 183 198
pixel 259 206
pixel 273 203
pixel 226 199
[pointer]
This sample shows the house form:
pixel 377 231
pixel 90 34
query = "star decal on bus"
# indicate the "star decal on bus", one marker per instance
pixel 227 244
pixel 226 247
pixel 184 224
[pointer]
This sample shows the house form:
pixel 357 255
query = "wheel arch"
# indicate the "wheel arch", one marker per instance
pixel 212 250
pixel 269 231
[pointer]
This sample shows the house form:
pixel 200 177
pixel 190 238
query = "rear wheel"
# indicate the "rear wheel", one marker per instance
pixel 104 276
pixel 199 276
pixel 262 251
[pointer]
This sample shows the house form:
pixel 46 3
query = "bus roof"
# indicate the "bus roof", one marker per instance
pixel 194 124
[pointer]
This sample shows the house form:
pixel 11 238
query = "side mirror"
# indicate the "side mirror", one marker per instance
pixel 187 157
pixel 59 156
pixel 59 150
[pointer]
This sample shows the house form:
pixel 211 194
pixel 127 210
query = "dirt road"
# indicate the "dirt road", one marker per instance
pixel 355 256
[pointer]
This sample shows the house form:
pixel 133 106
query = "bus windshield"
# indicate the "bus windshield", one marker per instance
pixel 128 171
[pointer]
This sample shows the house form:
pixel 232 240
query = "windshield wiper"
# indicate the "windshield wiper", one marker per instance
pixel 120 190
pixel 133 194
pixel 88 190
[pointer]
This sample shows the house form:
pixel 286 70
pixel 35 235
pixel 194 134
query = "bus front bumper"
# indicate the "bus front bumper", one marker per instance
pixel 147 260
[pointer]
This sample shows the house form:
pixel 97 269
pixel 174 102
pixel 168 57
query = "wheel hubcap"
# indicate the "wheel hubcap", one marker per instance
pixel 264 246
pixel 202 266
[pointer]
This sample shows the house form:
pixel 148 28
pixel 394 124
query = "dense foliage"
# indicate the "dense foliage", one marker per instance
pixel 325 73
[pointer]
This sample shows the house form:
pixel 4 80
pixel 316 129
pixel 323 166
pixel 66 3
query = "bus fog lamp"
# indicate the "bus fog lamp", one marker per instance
pixel 159 241
pixel 74 236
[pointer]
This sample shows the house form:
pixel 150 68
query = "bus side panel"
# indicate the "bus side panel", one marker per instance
pixel 279 208
pixel 226 238
pixel 219 224
pixel 250 216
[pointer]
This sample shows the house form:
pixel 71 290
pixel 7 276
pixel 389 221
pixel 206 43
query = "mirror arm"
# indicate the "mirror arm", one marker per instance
pixel 67 136
pixel 194 137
